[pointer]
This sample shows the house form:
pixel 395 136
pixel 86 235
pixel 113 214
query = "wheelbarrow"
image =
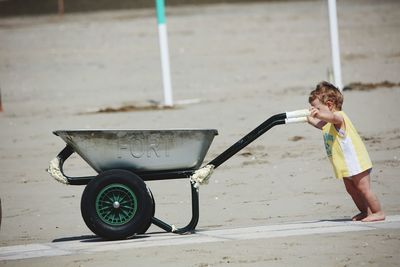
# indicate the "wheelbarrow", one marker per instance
pixel 117 203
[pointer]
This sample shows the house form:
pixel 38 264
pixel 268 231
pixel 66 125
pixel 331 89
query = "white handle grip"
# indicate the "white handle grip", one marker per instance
pixel 297 113
pixel 296 120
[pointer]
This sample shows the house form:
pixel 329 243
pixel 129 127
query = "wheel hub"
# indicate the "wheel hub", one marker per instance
pixel 116 205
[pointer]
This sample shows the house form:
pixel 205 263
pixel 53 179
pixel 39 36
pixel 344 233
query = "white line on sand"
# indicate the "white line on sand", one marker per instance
pixel 167 239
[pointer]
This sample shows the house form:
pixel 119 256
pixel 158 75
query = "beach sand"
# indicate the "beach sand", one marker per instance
pixel 237 64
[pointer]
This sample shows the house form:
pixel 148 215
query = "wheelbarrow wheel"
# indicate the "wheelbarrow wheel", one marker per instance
pixel 117 204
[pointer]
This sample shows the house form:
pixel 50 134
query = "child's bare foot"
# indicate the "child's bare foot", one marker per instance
pixel 359 216
pixel 379 216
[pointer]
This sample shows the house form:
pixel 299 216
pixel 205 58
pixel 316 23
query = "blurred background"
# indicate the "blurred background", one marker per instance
pixel 34 7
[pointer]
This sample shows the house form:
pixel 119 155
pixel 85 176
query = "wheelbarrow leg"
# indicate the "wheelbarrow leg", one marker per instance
pixel 193 222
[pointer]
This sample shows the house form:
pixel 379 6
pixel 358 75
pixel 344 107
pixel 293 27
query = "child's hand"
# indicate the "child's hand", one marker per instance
pixel 314 112
pixel 313 118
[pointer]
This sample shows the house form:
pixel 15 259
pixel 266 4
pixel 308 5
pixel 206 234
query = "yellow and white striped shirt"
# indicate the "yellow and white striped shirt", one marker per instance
pixel 345 149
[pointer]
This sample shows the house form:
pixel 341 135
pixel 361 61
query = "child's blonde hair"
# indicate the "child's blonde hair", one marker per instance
pixel 325 92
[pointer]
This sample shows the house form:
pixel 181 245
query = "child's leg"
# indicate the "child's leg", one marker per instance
pixel 363 184
pixel 357 198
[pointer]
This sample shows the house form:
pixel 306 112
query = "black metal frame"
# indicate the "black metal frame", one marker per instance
pixel 180 174
pixel 250 137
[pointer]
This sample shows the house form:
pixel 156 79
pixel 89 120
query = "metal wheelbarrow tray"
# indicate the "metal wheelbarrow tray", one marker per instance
pixel 150 153
pixel 117 203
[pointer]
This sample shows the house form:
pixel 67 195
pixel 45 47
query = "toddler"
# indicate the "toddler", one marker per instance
pixel 345 149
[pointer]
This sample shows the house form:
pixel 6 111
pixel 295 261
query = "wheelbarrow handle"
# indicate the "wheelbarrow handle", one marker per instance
pixel 296 120
pixel 281 118
pixel 297 113
pixel 297 116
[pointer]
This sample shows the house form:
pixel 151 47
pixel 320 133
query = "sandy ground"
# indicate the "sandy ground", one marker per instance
pixel 244 63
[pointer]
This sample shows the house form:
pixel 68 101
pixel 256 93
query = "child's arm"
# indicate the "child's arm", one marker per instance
pixel 316 122
pixel 321 117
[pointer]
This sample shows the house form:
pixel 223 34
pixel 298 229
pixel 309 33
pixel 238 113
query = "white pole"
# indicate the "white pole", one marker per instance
pixel 337 73
pixel 1 105
pixel 165 66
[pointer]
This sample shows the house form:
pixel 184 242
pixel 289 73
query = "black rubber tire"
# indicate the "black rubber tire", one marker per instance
pixel 142 204
pixel 145 227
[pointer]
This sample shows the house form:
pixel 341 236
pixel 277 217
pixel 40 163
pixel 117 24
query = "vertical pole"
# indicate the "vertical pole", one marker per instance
pixel 337 73
pixel 60 7
pixel 165 66
pixel 1 105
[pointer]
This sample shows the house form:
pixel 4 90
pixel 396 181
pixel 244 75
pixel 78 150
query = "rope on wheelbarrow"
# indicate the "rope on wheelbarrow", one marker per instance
pixel 55 171
pixel 202 175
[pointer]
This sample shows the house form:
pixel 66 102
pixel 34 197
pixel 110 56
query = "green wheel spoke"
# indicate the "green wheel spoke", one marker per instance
pixel 106 203
pixel 102 209
pixel 107 215
pixel 127 206
pixel 124 202
pixel 126 213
